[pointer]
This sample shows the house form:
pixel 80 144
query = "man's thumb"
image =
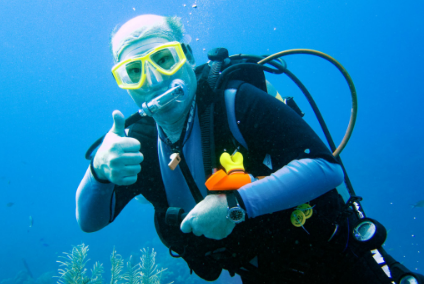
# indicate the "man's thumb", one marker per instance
pixel 119 123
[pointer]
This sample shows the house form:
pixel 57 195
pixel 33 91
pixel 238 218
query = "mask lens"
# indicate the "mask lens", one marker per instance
pixel 134 71
pixel 167 58
pixel 130 73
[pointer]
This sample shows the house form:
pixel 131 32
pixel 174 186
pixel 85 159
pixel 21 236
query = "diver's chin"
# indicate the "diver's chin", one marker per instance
pixel 171 114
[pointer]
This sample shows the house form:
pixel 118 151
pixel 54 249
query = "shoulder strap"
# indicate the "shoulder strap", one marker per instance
pixel 226 126
pixel 216 111
pixel 206 120
pixel 230 103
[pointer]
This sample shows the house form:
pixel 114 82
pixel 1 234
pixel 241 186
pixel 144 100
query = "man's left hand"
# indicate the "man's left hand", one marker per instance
pixel 209 218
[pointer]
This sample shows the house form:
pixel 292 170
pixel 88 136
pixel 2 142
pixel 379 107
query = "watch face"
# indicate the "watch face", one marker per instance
pixel 236 214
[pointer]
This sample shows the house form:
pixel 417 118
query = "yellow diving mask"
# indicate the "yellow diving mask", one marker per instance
pixel 166 59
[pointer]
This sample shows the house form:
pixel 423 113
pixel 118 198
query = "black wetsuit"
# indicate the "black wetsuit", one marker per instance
pixel 283 253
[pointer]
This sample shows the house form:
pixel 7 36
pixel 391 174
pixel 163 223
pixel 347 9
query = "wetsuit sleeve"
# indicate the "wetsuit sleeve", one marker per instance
pixel 296 183
pixel 149 182
pixel 303 167
pixel 98 203
pixel 93 203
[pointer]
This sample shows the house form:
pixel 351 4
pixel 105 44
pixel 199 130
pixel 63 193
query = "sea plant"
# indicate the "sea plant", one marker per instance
pixel 72 270
pixel 132 274
pixel 116 267
pixel 149 272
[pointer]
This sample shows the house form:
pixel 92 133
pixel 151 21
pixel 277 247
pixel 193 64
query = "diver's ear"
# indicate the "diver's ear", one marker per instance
pixel 188 54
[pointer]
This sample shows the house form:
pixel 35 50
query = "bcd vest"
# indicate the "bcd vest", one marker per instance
pixel 271 232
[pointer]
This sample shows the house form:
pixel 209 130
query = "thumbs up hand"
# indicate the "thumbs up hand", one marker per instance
pixel 118 158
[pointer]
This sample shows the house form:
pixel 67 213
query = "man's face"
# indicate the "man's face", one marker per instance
pixel 156 83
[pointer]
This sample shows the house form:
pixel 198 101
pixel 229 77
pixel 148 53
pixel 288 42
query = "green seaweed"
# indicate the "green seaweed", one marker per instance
pixel 72 270
pixel 116 267
pixel 132 274
pixel 149 272
pixel 97 273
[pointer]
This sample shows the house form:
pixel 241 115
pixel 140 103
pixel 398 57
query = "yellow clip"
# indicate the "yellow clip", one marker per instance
pixel 232 163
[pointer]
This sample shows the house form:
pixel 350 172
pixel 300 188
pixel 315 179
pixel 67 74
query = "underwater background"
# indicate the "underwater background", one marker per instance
pixel 57 95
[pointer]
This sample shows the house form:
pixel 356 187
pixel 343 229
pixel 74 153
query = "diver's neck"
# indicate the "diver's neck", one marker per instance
pixel 172 125
pixel 173 130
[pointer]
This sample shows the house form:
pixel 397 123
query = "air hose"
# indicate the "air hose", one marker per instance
pixel 347 77
pixel 279 68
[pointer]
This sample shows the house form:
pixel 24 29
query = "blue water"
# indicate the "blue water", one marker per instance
pixel 57 96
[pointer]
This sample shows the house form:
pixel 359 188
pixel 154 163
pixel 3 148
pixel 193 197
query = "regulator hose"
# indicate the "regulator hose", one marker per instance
pixel 347 77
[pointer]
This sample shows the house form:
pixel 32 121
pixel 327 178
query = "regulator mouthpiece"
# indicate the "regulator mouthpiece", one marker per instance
pixel 177 92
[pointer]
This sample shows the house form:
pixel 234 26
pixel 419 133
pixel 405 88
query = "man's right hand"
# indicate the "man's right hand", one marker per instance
pixel 118 158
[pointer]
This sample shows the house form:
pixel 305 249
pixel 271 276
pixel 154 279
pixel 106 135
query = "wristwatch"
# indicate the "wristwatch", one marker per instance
pixel 236 214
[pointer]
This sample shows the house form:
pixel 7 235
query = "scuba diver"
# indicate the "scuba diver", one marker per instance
pixel 238 180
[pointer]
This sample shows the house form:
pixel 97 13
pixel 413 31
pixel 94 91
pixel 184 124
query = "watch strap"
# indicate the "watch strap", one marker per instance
pixel 239 199
pixel 231 200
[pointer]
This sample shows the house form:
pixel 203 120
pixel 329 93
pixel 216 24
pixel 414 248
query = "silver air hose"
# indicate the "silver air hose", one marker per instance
pixel 177 92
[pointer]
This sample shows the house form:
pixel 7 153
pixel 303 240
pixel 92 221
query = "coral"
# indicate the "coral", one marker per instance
pixel 116 267
pixel 149 272
pixel 20 278
pixel 74 271
pixel 23 277
pixel 46 278
pixel 132 275
pixel 146 271
pixel 97 273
